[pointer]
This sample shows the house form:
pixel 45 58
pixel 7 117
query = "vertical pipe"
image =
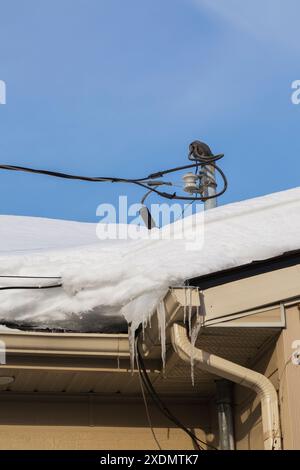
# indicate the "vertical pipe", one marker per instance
pixel 223 386
pixel 225 418
pixel 209 179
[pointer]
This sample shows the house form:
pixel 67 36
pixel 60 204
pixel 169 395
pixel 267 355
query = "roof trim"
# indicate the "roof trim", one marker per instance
pixel 287 259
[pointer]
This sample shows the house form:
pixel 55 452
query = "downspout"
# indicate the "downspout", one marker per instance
pixel 224 389
pixel 238 374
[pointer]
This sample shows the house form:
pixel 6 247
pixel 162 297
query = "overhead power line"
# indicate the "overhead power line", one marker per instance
pixel 149 182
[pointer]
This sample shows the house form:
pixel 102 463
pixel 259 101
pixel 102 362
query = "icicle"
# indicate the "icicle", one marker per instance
pixel 131 339
pixel 194 336
pixel 144 324
pixel 202 310
pixel 185 305
pixel 161 316
pixel 200 318
pixel 190 311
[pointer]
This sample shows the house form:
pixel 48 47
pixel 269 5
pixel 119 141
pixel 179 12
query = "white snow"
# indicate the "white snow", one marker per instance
pixel 109 280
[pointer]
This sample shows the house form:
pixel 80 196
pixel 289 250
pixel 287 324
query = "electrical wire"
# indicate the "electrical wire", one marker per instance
pixel 145 182
pixel 58 174
pixel 162 407
pixel 146 404
pixel 53 286
pixel 29 277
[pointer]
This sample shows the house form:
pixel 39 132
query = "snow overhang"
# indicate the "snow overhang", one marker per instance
pixel 100 363
pixel 62 275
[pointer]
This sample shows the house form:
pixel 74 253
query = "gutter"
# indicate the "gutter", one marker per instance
pixel 66 344
pixel 238 374
pixel 72 352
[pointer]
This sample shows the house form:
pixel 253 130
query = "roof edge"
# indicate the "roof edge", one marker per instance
pixel 285 260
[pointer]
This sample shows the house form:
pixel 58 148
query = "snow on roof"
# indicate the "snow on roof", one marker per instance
pixel 107 280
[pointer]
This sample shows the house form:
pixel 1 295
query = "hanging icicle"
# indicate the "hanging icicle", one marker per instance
pixel 131 339
pixel 161 316
pixel 185 305
pixel 190 310
pixel 199 322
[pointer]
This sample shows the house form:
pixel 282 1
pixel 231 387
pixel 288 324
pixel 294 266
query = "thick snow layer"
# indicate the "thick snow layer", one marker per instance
pixel 109 280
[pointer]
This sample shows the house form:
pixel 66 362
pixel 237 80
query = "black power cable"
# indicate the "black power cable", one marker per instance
pixel 29 277
pixel 53 286
pixel 160 404
pixel 145 183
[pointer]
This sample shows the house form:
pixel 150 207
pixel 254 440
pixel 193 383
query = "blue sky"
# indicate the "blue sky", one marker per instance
pixel 114 87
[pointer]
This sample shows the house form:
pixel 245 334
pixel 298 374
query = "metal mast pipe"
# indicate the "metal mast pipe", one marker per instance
pixel 209 180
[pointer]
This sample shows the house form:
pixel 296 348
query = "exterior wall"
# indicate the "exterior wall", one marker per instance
pixel 289 374
pixel 89 422
pixel 115 422
pixel 275 363
pixel 248 425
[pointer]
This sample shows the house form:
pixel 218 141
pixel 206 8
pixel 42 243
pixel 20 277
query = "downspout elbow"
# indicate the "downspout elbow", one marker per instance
pixel 238 374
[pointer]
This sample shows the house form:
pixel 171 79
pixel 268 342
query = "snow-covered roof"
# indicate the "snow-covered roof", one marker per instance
pixel 105 281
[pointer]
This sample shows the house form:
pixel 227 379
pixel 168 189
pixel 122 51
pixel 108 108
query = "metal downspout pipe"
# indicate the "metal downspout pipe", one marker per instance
pixel 238 374
pixel 224 389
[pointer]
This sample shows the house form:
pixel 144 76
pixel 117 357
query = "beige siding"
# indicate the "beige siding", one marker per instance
pixel 248 427
pixel 86 422
pixel 275 364
pixel 289 394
